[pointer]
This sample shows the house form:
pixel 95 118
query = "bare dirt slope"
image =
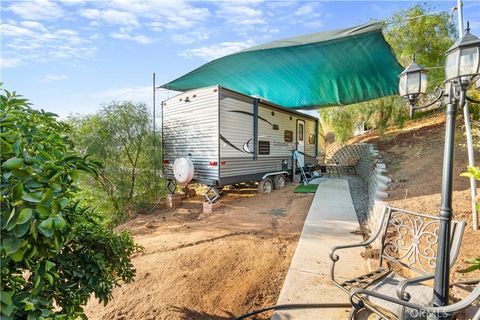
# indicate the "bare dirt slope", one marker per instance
pixel 210 267
pixel 414 159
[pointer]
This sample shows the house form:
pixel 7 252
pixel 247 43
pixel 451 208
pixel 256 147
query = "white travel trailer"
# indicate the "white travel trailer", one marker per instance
pixel 217 137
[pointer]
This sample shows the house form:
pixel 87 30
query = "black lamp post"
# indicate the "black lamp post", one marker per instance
pixel 412 83
pixel 461 67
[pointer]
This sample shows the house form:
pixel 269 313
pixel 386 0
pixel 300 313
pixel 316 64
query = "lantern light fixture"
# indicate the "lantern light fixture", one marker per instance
pixel 463 59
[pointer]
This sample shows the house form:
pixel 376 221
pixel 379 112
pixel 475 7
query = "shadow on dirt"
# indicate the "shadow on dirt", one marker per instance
pixel 190 314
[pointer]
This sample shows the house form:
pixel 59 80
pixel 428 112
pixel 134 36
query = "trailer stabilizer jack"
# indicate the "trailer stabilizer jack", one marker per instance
pixel 215 194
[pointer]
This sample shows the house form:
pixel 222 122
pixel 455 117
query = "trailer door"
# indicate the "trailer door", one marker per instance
pixel 301 141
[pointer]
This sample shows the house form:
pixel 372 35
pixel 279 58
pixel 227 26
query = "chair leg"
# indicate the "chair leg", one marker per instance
pixel 353 312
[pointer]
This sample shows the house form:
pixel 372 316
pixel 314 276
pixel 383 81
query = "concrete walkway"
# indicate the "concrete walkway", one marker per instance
pixel 329 222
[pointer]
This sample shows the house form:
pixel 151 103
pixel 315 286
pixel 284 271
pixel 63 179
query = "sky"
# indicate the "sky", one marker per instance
pixel 72 56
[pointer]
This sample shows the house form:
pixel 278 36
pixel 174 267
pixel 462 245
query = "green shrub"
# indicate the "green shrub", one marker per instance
pixel 54 253
pixel 127 178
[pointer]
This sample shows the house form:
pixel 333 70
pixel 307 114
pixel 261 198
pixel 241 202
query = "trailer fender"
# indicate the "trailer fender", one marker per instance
pixel 274 174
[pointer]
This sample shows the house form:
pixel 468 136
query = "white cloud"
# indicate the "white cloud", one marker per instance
pixel 72 2
pixel 309 15
pixel 156 26
pixel 111 16
pixel 54 77
pixel 32 25
pixel 36 9
pixel 230 10
pixel 9 62
pixel 134 93
pixel 304 10
pixel 124 34
pixel 191 37
pixel 32 41
pixel 216 51
pixel 9 30
pixel 236 13
pixel 165 14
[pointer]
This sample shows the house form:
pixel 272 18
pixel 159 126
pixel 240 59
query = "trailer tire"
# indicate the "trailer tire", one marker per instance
pixel 265 186
pixel 279 182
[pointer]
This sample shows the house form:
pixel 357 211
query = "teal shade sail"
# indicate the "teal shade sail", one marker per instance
pixel 337 67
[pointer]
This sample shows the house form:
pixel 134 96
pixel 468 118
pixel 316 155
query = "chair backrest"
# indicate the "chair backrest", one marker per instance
pixel 410 239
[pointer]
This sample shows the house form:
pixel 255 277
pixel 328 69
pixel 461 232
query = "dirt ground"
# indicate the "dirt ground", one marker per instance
pixel 414 159
pixel 214 267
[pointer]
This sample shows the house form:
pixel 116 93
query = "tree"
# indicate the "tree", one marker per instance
pixel 120 135
pixel 413 31
pixel 54 252
pixel 408 31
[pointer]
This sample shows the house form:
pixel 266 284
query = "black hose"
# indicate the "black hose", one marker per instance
pixel 294 306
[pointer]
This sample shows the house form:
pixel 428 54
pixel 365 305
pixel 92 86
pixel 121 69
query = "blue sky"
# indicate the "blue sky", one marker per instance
pixel 71 56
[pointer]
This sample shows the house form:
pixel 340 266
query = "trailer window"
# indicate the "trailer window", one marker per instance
pixel 288 136
pixel 311 139
pixel 263 147
pixel 300 132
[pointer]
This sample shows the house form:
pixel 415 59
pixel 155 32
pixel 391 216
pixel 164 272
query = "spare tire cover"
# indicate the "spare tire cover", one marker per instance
pixel 183 170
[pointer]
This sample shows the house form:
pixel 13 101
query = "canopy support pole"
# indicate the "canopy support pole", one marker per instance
pixel 154 137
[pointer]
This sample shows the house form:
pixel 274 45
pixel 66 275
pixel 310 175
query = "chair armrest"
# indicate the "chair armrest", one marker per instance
pixel 450 309
pixel 372 238
pixel 402 286
pixel 334 257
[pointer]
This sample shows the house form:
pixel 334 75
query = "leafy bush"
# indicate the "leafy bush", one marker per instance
pixel 127 178
pixel 54 253
pixel 378 114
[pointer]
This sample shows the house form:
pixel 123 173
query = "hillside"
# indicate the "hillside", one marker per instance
pixel 414 158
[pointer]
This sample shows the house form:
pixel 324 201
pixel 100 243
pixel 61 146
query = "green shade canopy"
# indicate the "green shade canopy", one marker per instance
pixel 311 71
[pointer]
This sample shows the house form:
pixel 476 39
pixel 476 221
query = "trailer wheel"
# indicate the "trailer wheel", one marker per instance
pixel 279 182
pixel 265 186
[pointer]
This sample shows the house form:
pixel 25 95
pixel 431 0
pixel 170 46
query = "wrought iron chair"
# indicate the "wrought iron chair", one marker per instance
pixel 407 244
pixel 418 311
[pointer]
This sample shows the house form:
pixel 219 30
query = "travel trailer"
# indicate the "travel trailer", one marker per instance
pixel 218 137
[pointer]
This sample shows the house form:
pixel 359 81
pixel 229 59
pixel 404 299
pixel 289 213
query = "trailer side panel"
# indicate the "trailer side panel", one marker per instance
pixel 190 128
pixel 276 138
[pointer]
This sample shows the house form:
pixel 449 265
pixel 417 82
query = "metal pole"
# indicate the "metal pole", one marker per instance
pixel 471 162
pixel 460 17
pixel 468 132
pixel 442 269
pixel 154 125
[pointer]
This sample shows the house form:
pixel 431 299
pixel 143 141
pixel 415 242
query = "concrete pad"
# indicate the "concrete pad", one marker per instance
pixel 209 208
pixel 173 200
pixel 330 222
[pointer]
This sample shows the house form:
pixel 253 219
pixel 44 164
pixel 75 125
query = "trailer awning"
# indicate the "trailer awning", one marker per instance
pixel 322 69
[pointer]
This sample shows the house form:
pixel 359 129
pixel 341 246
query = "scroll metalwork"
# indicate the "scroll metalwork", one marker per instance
pixel 411 240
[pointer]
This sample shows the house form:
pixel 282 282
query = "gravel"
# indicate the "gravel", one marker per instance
pixel 359 192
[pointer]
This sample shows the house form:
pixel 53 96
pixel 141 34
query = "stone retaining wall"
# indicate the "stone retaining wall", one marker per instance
pixel 372 170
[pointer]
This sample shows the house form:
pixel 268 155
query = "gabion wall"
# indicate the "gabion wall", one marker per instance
pixel 372 170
